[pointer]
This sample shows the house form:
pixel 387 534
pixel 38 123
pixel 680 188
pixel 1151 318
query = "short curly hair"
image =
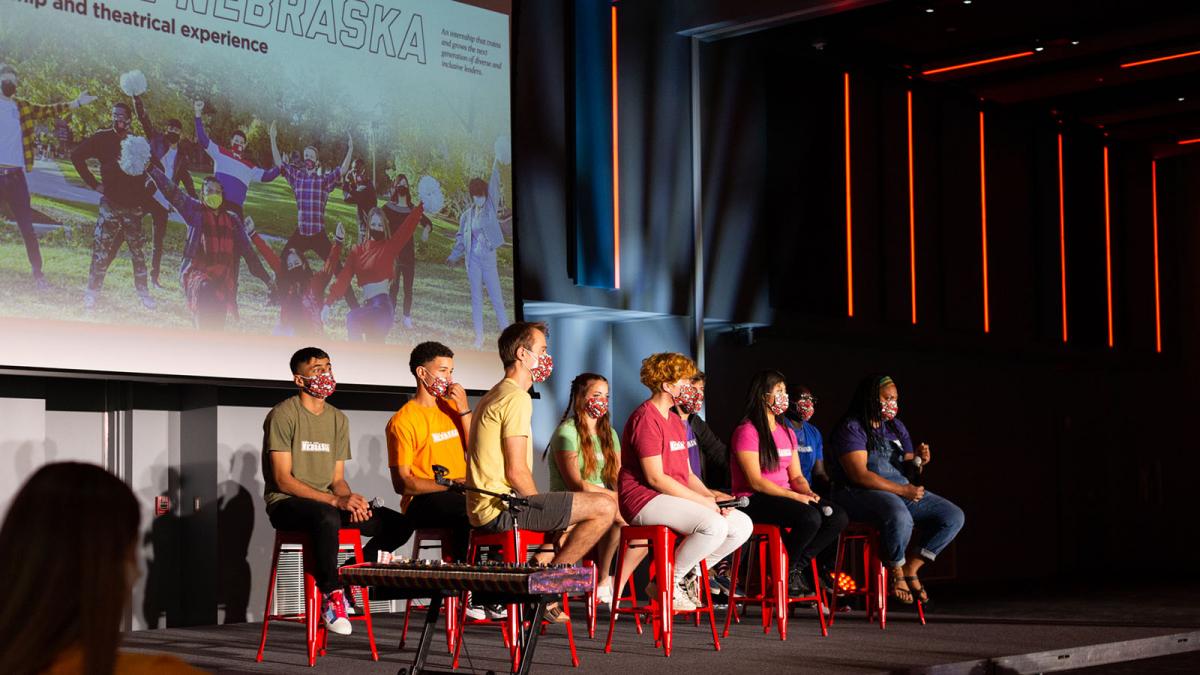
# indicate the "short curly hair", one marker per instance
pixel 664 367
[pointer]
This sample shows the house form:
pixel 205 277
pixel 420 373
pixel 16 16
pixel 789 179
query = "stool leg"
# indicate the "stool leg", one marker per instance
pixel 267 614
pixel 665 558
pixel 816 572
pixel 837 577
pixel 764 556
pixel 570 632
pixel 366 602
pixel 404 628
pixel 708 604
pixel 779 570
pixel 731 608
pixel 618 590
pixel 312 610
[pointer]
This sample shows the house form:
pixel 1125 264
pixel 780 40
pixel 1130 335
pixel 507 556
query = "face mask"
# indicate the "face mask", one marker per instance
pixel 540 372
pixel 320 386
pixel 438 386
pixel 888 410
pixel 121 125
pixel 237 149
pixel 479 200
pixel 689 399
pixel 596 407
pixel 309 165
pixel 8 87
pixel 778 404
pixel 294 262
pixel 214 200
pixel 171 138
pixel 377 231
pixel 805 408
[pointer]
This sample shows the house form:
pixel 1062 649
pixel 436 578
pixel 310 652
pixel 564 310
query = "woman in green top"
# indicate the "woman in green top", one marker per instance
pixel 586 458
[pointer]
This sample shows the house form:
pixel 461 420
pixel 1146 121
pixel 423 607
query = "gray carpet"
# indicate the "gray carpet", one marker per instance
pixel 962 631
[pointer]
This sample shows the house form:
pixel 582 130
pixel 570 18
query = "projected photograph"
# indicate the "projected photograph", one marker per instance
pixel 332 171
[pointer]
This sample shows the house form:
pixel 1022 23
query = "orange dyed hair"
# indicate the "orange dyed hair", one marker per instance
pixel 664 367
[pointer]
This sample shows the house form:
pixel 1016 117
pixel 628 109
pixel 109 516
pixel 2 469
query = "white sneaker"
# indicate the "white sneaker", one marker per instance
pixel 89 299
pixel 408 322
pixel 604 594
pixel 475 613
pixel 148 301
pixel 681 598
pixel 496 612
pixel 333 612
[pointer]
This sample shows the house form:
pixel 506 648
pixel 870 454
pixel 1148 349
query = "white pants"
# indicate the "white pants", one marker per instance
pixel 707 535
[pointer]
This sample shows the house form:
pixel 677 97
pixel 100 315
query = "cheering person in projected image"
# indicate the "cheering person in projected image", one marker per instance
pixel 301 291
pixel 374 263
pixel 216 243
pixel 18 119
pixel 479 236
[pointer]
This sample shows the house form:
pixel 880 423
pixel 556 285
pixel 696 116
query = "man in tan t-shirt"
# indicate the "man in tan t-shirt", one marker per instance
pixel 306 443
pixel 500 457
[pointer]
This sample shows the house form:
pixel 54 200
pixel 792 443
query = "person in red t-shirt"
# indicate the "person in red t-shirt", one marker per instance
pixel 374 262
pixel 656 485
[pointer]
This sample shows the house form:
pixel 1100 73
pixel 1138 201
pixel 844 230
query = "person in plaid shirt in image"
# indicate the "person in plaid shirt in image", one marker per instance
pixel 312 188
pixel 216 243
pixel 17 120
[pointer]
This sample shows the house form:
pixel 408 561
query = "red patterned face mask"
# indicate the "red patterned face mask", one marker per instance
pixel 596 407
pixel 778 404
pixel 541 371
pixel 320 386
pixel 888 410
pixel 689 399
pixel 805 408
pixel 438 386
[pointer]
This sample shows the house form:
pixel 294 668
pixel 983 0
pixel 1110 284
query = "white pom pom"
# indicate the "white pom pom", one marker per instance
pixel 430 192
pixel 503 150
pixel 133 83
pixel 135 155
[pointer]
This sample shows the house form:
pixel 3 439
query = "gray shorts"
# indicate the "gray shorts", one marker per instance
pixel 547 512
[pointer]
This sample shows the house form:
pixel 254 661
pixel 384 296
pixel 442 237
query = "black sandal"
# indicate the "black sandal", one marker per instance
pixel 917 592
pixel 896 580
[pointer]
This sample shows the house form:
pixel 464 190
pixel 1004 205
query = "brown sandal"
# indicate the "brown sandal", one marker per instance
pixel 896 591
pixel 917 592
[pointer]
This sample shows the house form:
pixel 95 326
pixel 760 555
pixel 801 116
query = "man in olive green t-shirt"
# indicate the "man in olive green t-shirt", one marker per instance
pixel 306 443
pixel 500 458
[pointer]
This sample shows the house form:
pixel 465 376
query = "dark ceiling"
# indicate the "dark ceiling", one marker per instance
pixel 1075 68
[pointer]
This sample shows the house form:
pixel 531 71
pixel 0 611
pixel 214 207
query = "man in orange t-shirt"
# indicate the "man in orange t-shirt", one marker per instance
pixel 431 429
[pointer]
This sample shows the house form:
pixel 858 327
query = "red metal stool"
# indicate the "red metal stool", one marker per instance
pixel 317 636
pixel 501 544
pixel 874 588
pixel 661 610
pixel 444 541
pixel 772 577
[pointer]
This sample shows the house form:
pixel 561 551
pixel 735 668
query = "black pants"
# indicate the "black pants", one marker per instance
pixel 320 244
pixel 387 529
pixel 406 266
pixel 811 532
pixel 158 216
pixel 442 510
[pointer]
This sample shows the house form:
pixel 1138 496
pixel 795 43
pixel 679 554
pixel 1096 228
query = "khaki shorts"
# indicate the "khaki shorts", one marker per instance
pixel 547 512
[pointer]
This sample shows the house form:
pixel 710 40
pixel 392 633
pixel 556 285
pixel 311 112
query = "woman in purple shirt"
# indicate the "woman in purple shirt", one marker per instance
pixel 875 471
pixel 765 469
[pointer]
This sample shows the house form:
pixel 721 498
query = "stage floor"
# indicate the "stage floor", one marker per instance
pixel 968 633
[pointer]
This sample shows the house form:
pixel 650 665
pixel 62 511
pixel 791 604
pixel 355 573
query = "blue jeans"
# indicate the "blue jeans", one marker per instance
pixel 894 517
pixel 372 321
pixel 15 192
pixel 482 272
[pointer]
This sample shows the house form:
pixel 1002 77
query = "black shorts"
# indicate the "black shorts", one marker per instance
pixel 547 512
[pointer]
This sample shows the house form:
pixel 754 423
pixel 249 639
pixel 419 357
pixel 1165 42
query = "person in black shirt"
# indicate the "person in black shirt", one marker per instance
pixel 122 205
pixel 397 208
pixel 170 150
pixel 359 190
pixel 714 454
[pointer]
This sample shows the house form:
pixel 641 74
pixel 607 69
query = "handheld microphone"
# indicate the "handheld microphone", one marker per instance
pixel 439 477
pixel 825 509
pixel 735 503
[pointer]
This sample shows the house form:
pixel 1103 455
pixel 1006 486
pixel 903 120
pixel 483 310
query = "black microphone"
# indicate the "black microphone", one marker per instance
pixel 735 503
pixel 439 476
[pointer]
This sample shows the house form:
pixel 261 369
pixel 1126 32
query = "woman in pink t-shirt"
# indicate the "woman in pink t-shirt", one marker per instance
pixel 765 469
pixel 656 485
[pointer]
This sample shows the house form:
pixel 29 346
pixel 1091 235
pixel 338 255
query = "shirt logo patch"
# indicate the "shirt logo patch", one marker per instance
pixel 804 449
pixel 678 445
pixel 313 446
pixel 440 436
